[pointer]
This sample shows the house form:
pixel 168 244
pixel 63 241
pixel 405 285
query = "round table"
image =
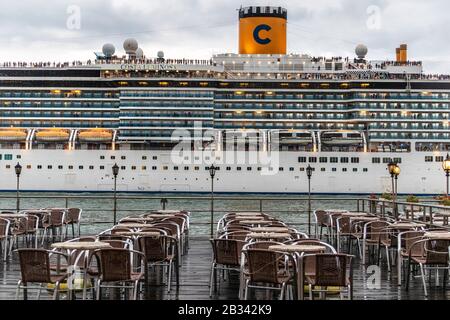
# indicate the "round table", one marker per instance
pixel 437 235
pixel 255 222
pixel 270 229
pixel 248 214
pixel 355 214
pixel 138 233
pixel 292 248
pixel 132 225
pixel 159 215
pixel 268 235
pixel 13 215
pixel 404 225
pixel 249 218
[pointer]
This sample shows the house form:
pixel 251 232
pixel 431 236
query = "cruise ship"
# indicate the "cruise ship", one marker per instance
pixel 261 116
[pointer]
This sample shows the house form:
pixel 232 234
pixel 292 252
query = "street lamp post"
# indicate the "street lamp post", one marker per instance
pixel 394 171
pixel 18 169
pixel 115 170
pixel 212 173
pixel 446 167
pixel 309 171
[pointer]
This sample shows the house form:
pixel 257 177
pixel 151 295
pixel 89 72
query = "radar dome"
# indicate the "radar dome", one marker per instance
pixel 130 45
pixel 160 54
pixel 361 51
pixel 139 53
pixel 108 49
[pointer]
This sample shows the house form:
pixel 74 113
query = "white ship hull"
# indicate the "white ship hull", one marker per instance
pixel 417 176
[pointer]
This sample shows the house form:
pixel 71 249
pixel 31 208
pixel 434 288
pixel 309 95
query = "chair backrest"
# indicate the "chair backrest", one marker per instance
pixel 172 226
pixel 410 237
pixel 74 215
pixel 227 251
pixel 297 234
pixel 263 265
pixel 236 235
pixel 155 248
pixel 437 251
pixel 34 265
pixel 329 248
pixel 32 223
pixel 332 269
pixel 4 227
pixel 115 264
pixel 118 229
pixel 180 221
pixel 343 225
pixel 321 217
pixel 119 244
pixel 376 230
pixel 20 224
pixel 56 217
pixel 261 245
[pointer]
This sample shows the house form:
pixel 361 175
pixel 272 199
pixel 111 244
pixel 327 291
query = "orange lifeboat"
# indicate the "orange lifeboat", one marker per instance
pixel 95 135
pixel 52 135
pixel 13 135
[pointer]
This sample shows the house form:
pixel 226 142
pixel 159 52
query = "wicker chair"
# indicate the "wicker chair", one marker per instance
pixel 373 233
pixel 161 251
pixel 331 270
pixel 116 270
pixel 55 220
pixel 73 218
pixel 4 237
pixel 345 229
pixel 33 228
pixel 270 268
pixel 322 220
pixel 405 240
pixel 435 256
pixel 226 257
pixel 19 229
pixel 35 268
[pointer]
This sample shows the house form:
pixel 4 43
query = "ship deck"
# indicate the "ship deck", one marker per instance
pixel 194 280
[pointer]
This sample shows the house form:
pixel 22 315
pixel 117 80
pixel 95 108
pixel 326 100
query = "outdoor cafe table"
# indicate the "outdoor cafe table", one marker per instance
pixel 443 235
pixel 133 225
pixel 248 214
pixel 13 215
pixel 84 248
pixel 295 249
pixel 255 222
pixel 355 214
pixel 157 215
pixel 249 218
pixel 136 234
pixel 268 236
pixel 269 229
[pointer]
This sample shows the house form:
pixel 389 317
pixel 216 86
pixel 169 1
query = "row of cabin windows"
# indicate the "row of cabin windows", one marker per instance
pixel 387 160
pixel 9 156
pixel 437 159
pixel 186 168
pixel 124 157
pixel 325 159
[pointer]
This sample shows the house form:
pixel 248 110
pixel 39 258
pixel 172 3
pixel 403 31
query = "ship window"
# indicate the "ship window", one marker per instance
pixel 154 168
pixel 355 169
pixel 80 167
pixel 355 160
pixel 249 168
pixel 196 158
pixel 334 160
pixel 186 168
pixel 238 168
pixel 123 168
pixel 144 168
pixel 102 167
pixel 344 160
pixel 102 157
pixel 386 160
pixel 302 169
pixel 144 157
pixel 376 160
pixel 60 167
pixel 155 158
pixel 322 169
pixel 312 159
pixel 428 159
pixel 323 159
pixel 123 157
pixel 49 167
pixel 365 169
pixel 28 166
pixel 8 166
pixel 165 167
pixel 291 169
pixel 18 156
pixel 113 157
pixel 439 159
pixel 175 168
pixel 133 167
pixel 344 169
pixel 333 169
pixel 196 168
pixel 301 159
pixel 70 167
pixel 8 156
pixel 0 157
pixel 399 160
pixel 228 168
pixel 280 169
pixel 39 167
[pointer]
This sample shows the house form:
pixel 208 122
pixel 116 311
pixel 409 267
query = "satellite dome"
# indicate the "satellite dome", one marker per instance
pixel 139 53
pixel 361 51
pixel 130 45
pixel 160 54
pixel 108 49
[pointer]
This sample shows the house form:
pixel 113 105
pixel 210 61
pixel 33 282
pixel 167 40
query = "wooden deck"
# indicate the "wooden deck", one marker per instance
pixel 194 279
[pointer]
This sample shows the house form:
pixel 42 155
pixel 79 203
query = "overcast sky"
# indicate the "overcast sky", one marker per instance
pixel 35 30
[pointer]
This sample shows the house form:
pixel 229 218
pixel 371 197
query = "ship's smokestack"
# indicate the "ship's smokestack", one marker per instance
pixel 397 54
pixel 262 30
pixel 403 53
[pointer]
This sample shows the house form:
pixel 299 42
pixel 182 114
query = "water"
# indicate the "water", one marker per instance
pixel 98 210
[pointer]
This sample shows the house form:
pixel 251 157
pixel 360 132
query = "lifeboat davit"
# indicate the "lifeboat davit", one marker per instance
pixel 95 135
pixel 13 135
pixel 340 138
pixel 53 135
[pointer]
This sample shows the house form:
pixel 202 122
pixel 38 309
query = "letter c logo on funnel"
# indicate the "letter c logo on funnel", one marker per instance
pixel 256 32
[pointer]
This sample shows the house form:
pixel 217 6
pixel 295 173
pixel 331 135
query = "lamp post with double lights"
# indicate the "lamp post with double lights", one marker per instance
pixel 394 171
pixel 309 171
pixel 115 171
pixel 446 167
pixel 18 169
pixel 212 173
